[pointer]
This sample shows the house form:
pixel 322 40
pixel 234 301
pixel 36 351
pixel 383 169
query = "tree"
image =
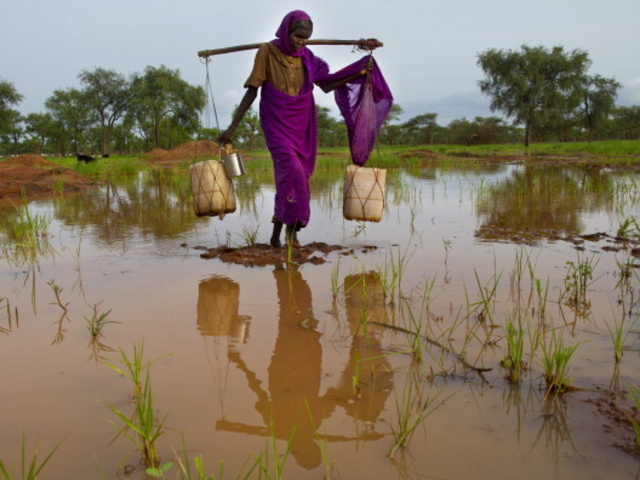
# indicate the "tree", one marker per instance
pixel 10 119
pixel 392 132
pixel 41 128
pixel 421 129
pixel 249 128
pixel 627 120
pixel 331 131
pixel 598 100
pixel 108 94
pixel 72 115
pixel 162 102
pixel 534 85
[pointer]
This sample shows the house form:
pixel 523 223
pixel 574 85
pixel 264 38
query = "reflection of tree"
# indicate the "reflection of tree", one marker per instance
pixel 542 201
pixel 155 205
pixel 291 405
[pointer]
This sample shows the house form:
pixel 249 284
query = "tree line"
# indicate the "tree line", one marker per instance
pixel 543 94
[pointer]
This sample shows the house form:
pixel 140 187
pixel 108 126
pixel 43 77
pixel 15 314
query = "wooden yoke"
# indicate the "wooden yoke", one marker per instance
pixel 362 44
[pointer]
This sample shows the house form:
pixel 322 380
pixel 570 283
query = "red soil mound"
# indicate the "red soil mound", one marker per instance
pixel 190 151
pixel 37 177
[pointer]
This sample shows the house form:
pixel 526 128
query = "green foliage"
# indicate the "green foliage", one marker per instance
pixel 142 428
pixel 30 471
pixel 162 103
pixel 513 358
pixel 538 87
pixel 555 361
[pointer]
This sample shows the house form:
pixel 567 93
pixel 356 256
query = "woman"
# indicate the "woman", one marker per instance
pixel 286 71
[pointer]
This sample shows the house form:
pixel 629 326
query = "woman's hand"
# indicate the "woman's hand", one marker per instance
pixel 225 137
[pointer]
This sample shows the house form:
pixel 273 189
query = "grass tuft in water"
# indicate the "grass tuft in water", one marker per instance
pixel 97 322
pixel 512 361
pixel 578 279
pixel 555 362
pixel 412 409
pixel 143 427
pixel 30 471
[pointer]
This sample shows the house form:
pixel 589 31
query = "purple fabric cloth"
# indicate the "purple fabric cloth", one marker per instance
pixel 364 103
pixel 291 133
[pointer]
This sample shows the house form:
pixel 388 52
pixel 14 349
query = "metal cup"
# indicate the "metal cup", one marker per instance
pixel 233 165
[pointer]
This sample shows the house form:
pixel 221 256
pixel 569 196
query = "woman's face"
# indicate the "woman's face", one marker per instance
pixel 299 34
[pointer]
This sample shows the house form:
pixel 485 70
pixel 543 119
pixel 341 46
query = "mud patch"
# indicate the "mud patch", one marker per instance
pixel 262 255
pixel 38 177
pixel 617 412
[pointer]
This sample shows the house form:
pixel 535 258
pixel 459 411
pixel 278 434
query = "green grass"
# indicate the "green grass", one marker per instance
pixel 26 228
pixel 142 427
pixel 556 364
pixel 513 359
pixel 97 322
pixel 29 469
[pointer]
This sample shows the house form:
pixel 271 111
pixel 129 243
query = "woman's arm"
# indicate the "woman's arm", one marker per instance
pixel 329 87
pixel 246 102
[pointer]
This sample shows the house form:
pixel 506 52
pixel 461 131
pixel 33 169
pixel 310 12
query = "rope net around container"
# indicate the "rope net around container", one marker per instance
pixel 364 196
pixel 213 192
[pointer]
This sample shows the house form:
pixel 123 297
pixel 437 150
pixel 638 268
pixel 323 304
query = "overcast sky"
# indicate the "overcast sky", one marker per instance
pixel 429 54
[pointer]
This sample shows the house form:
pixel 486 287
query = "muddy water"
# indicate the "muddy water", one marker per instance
pixel 325 361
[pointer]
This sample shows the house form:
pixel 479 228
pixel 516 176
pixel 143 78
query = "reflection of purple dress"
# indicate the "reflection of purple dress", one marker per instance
pixel 290 126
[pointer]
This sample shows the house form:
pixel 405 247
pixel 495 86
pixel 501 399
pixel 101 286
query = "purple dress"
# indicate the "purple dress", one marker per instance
pixel 290 126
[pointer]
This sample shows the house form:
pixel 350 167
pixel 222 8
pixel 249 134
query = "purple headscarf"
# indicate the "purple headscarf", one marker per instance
pixel 284 31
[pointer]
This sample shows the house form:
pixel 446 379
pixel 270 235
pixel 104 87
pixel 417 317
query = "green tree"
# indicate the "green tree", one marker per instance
pixel 331 131
pixel 533 85
pixel 72 115
pixel 163 102
pixel 392 132
pixel 598 101
pixel 248 130
pixel 627 120
pixel 10 119
pixel 421 129
pixel 109 94
pixel 41 129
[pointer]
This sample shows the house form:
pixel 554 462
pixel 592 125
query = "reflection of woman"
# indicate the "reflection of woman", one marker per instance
pixel 295 374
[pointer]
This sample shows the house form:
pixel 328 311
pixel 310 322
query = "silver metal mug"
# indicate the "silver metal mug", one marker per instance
pixel 233 165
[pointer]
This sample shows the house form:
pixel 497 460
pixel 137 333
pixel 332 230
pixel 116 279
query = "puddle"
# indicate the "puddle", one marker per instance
pixel 335 353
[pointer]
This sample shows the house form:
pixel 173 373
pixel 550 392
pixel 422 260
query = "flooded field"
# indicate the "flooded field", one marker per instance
pixel 486 328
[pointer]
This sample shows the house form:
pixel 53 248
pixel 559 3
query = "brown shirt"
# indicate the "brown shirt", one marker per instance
pixel 282 71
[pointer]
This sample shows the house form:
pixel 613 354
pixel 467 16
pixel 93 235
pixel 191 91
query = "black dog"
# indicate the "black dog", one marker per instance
pixel 84 158
pixel 106 155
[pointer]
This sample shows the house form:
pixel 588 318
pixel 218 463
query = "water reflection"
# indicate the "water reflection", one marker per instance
pixel 154 204
pixel 217 309
pixel 542 201
pixel 291 405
